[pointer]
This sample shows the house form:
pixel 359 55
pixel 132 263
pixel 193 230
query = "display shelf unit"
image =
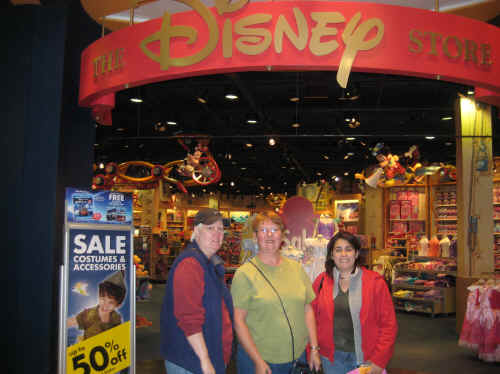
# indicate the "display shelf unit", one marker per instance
pixel 405 218
pixel 441 299
pixel 496 225
pixel 444 218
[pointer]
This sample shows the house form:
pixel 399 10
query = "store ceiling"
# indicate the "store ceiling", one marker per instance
pixel 398 111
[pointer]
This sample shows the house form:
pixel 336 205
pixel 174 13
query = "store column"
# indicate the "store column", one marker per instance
pixel 474 197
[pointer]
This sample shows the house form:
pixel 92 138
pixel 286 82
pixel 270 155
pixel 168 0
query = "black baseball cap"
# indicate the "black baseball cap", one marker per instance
pixel 207 216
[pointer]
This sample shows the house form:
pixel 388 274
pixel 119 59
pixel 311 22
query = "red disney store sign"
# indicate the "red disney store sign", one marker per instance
pixel 299 35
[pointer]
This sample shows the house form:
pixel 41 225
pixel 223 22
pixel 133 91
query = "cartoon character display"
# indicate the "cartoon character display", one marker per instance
pixel 393 169
pixel 199 167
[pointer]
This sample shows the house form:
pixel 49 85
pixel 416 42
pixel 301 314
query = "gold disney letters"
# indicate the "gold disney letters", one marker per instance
pixel 252 40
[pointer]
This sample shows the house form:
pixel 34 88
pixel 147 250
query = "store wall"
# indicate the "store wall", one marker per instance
pixel 48 146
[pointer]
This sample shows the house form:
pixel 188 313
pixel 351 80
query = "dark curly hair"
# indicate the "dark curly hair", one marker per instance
pixel 352 239
pixel 112 290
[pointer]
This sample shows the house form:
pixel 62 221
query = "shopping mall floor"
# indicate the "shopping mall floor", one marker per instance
pixel 425 345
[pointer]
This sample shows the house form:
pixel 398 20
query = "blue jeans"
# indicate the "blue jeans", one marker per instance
pixel 245 364
pixel 175 369
pixel 343 362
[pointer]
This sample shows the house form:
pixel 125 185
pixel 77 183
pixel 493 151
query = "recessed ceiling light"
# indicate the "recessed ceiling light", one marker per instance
pixel 135 100
pixel 120 129
pixel 231 96
pixel 232 184
pixel 251 121
pixel 448 118
pixel 350 138
pixel 201 100
pixel 326 157
pixel 243 168
pixel 249 145
pixel 294 99
pixel 319 173
pixel 272 142
pixel 346 173
pixel 295 125
pixel 171 123
pixel 346 157
pixel 430 137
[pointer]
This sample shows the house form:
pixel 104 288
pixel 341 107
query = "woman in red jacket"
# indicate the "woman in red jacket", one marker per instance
pixel 355 316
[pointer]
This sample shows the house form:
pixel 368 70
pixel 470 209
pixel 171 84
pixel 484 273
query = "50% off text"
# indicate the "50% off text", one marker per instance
pixel 100 358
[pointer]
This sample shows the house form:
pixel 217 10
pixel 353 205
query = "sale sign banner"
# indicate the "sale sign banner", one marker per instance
pixel 98 287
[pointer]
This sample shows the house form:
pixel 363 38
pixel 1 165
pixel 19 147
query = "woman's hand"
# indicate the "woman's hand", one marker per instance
pixel 314 360
pixel 262 368
pixel 206 366
pixel 376 369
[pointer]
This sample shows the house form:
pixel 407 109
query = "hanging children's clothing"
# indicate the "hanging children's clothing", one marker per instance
pixel 482 322
pixel 316 256
pixel 453 246
pixel 444 246
pixel 423 246
pixel 326 227
pixel 434 250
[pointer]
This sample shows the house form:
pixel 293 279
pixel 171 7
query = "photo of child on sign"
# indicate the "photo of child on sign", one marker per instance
pixel 104 315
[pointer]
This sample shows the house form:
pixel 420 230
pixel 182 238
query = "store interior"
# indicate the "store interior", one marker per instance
pixel 378 160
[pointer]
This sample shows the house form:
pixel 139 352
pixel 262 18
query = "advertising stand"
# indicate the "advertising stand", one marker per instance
pixel 97 306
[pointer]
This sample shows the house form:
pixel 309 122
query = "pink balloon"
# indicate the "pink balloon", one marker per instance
pixel 297 214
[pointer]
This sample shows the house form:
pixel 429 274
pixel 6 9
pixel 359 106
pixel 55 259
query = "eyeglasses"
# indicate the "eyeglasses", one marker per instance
pixel 265 230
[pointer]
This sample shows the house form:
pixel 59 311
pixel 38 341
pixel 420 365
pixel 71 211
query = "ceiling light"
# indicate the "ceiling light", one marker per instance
pixel 296 125
pixel 430 137
pixel 319 174
pixel 243 168
pixel 350 139
pixel 448 144
pixel 272 142
pixel 346 157
pixel 447 118
pixel 101 165
pixel 251 121
pixel 96 145
pixel 232 184
pixel 120 129
pixel 470 92
pixel 337 179
pixel 231 96
pixel 193 195
pixel 294 99
pixel 135 100
pixel 171 123
pixel 326 157
pixel 283 167
pixel 346 173
pixel 350 153
pixel 249 145
pixel 201 100
pixel 221 184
